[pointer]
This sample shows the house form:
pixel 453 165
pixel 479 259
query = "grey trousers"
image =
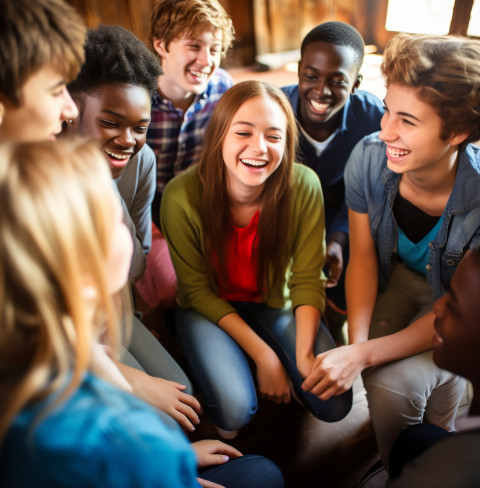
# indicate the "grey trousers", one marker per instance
pixel 147 354
pixel 410 390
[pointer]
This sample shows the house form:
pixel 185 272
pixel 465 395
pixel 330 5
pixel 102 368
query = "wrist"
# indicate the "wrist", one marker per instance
pixel 340 238
pixel 366 353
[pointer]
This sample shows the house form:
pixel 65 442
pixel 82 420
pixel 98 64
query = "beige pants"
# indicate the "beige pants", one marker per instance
pixel 413 389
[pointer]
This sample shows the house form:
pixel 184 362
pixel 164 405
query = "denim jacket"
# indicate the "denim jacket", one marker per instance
pixel 371 188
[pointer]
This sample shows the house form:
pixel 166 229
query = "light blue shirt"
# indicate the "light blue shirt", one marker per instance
pixel 100 437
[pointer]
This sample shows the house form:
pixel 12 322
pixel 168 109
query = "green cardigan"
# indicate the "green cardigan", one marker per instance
pixel 304 282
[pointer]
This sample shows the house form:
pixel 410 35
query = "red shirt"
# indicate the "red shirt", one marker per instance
pixel 242 265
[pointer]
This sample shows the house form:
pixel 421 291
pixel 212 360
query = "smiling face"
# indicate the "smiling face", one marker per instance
pixel 45 104
pixel 457 322
pixel 117 116
pixel 253 146
pixel 327 75
pixel 411 129
pixel 188 64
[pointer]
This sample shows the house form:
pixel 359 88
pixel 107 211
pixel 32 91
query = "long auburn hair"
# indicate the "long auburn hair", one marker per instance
pixel 55 235
pixel 275 216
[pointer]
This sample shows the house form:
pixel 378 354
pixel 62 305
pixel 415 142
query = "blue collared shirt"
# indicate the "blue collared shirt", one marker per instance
pixel 176 137
pixel 361 116
pixel 371 188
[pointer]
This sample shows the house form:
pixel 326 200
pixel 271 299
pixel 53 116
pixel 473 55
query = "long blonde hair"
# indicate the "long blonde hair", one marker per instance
pixel 55 233
pixel 274 221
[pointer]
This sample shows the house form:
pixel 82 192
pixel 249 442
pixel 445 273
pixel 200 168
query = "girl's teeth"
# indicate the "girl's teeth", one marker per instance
pixel 254 162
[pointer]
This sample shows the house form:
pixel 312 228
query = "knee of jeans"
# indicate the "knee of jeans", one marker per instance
pixel 232 412
pixel 265 472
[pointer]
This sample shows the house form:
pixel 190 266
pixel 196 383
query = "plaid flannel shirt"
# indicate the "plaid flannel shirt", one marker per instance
pixel 177 137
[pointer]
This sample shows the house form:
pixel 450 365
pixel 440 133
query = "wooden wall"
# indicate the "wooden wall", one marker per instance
pixel 264 26
pixel 261 25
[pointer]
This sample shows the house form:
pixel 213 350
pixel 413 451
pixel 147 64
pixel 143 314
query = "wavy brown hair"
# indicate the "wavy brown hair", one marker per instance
pixel 445 71
pixel 55 236
pixel 274 222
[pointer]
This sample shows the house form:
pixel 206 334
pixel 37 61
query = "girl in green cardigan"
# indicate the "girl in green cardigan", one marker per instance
pixel 245 229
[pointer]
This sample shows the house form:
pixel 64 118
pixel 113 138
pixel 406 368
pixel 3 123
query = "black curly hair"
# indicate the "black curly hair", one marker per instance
pixel 338 33
pixel 113 54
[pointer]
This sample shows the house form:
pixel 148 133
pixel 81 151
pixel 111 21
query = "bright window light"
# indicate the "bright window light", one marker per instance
pixel 474 25
pixel 420 16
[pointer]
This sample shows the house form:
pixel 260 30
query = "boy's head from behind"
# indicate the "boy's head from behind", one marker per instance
pixel 41 49
pixel 328 71
pixel 113 93
pixel 191 37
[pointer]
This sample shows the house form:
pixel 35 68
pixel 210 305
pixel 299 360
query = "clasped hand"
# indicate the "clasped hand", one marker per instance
pixel 273 382
pixel 334 371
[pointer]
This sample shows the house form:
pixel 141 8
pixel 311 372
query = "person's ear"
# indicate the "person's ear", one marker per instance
pixel 2 112
pixel 159 46
pixel 457 139
pixel 357 83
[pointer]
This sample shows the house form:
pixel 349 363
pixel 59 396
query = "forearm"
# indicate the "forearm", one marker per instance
pixel 244 335
pixel 414 339
pixel 307 320
pixel 339 237
pixel 361 293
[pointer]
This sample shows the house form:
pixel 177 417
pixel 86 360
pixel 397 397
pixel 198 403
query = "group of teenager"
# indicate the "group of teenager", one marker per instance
pixel 260 213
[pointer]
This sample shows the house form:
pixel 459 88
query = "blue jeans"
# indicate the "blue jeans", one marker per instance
pixel 221 369
pixel 249 470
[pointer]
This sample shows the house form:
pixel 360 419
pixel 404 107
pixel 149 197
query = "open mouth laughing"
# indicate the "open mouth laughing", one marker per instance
pixel 254 163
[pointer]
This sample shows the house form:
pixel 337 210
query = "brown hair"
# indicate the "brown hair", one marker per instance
pixel 171 19
pixel 274 221
pixel 37 34
pixel 445 71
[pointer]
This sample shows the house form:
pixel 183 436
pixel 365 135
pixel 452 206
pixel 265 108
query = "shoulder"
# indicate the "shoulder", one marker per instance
pixel 221 81
pixel 290 91
pixel 363 102
pixel 183 187
pixel 367 153
pixel 450 463
pixel 472 155
pixel 305 180
pixel 103 437
pixel 367 162
pixel 146 162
